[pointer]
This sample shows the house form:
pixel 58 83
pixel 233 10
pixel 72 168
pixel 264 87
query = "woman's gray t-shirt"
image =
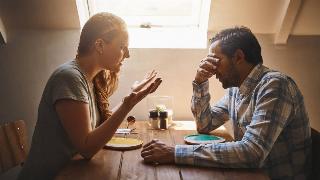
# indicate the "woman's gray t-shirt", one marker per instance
pixel 51 148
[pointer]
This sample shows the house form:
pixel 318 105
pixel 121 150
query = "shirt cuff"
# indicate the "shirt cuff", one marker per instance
pixel 200 90
pixel 183 154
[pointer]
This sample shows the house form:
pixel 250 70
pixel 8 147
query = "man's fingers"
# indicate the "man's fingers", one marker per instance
pixel 146 153
pixel 208 66
pixel 151 142
pixel 204 73
pixel 149 159
pixel 148 148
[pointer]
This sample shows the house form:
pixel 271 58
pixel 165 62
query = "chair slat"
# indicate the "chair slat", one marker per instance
pixel 5 154
pixel 315 135
pixel 13 144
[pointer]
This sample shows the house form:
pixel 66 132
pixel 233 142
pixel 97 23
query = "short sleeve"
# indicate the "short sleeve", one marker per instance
pixel 69 84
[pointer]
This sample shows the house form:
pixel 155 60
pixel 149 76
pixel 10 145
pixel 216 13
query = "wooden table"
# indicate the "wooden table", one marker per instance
pixel 111 164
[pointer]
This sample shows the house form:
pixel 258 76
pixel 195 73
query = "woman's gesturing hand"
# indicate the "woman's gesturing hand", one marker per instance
pixel 141 89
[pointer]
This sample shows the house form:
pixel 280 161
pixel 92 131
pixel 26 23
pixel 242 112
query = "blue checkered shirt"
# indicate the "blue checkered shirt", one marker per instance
pixel 270 122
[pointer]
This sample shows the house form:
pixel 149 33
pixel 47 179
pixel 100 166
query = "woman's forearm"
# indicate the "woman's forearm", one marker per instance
pixel 98 137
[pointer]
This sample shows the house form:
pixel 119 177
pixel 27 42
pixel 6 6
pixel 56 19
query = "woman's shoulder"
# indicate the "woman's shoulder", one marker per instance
pixel 68 69
pixel 67 82
pixel 67 74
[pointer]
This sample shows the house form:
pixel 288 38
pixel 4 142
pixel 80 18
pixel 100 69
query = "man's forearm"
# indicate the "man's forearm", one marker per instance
pixel 207 118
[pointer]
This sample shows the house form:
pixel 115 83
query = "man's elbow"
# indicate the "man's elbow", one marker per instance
pixel 202 130
pixel 258 163
pixel 257 158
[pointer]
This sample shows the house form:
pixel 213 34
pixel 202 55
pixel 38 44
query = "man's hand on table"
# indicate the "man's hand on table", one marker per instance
pixel 156 152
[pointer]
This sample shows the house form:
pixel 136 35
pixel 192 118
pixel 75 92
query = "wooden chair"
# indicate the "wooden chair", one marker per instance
pixel 315 135
pixel 13 145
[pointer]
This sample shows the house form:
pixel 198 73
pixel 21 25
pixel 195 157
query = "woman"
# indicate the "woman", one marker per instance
pixel 74 115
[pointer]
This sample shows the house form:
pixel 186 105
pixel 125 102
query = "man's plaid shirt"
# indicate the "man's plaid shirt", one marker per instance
pixel 271 127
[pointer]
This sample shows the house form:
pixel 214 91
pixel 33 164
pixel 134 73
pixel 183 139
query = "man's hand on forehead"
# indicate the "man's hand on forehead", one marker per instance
pixel 213 59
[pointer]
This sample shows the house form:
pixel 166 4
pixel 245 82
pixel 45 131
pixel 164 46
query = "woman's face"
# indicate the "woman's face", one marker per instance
pixel 115 52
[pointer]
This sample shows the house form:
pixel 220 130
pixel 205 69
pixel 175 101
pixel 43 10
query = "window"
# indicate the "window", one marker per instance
pixel 158 23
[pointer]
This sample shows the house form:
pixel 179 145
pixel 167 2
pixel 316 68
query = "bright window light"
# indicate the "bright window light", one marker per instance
pixel 158 23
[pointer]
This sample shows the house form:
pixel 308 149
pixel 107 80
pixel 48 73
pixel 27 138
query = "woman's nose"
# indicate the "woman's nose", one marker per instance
pixel 127 53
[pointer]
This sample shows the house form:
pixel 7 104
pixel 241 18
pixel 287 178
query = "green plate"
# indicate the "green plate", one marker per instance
pixel 202 139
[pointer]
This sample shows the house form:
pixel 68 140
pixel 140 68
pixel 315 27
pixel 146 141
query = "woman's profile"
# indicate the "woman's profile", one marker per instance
pixel 73 114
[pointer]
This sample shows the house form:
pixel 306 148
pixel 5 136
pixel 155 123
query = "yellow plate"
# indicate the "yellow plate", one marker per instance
pixel 120 143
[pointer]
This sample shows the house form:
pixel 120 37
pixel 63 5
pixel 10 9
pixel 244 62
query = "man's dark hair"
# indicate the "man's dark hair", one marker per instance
pixel 242 38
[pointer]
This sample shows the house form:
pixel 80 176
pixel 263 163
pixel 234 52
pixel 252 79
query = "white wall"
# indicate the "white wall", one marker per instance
pixel 25 65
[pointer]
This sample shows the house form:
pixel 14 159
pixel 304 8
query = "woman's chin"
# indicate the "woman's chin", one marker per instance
pixel 113 69
pixel 116 69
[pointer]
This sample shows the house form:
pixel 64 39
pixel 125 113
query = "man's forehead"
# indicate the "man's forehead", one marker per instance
pixel 214 46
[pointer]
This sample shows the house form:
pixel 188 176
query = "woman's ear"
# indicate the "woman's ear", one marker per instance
pixel 99 45
pixel 239 56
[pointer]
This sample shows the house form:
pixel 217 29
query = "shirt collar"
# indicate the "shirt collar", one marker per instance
pixel 252 79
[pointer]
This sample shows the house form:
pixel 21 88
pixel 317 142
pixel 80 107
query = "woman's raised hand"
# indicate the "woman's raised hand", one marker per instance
pixel 141 89
pixel 137 86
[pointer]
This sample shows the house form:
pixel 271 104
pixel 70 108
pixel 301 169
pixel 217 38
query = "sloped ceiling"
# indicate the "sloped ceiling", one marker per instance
pixel 265 16
pixel 308 19
pixel 39 14
pixel 262 16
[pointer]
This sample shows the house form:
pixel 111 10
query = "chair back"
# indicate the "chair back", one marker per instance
pixel 13 144
pixel 315 136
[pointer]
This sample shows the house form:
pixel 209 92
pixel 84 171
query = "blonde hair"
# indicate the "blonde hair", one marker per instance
pixel 106 26
pixel 105 83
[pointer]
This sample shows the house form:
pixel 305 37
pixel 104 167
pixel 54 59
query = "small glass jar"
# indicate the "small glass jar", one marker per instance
pixel 154 119
pixel 163 118
pixel 161 103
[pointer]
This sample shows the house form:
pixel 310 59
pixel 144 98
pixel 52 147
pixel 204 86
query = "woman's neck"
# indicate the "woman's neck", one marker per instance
pixel 89 66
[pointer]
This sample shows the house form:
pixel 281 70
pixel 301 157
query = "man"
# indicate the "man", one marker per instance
pixel 271 125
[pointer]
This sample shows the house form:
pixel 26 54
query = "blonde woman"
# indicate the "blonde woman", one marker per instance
pixel 74 115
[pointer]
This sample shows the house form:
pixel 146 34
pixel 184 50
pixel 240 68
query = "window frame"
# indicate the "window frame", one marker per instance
pixel 160 36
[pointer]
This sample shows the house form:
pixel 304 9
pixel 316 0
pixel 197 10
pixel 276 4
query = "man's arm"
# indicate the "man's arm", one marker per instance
pixel 207 118
pixel 273 107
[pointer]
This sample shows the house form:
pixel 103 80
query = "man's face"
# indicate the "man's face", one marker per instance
pixel 227 72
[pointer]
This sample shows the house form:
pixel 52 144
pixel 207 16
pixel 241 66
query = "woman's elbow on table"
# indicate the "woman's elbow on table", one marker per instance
pixel 86 156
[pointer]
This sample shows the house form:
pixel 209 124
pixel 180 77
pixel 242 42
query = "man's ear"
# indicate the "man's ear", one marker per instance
pixel 239 56
pixel 99 44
